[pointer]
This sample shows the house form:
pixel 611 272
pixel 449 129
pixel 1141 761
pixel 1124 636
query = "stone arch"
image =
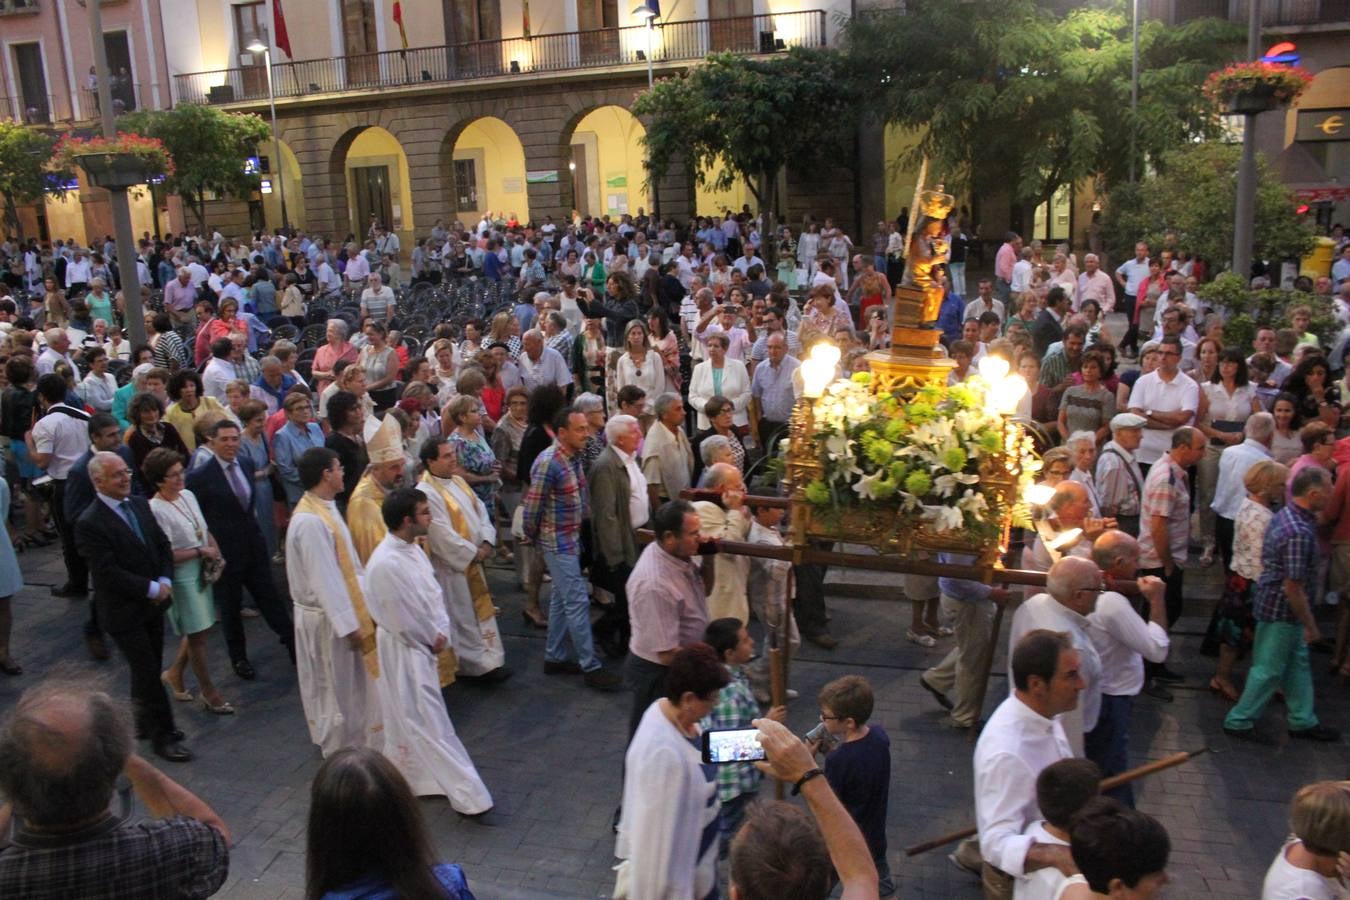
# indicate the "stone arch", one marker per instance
pixel 601 145
pixel 354 165
pixel 488 153
pixel 283 171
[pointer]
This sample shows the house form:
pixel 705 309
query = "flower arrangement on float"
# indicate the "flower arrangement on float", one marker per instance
pixel 943 468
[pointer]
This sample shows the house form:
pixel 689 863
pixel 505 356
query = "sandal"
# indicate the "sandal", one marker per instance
pixel 185 696
pixel 1228 692
pixel 923 640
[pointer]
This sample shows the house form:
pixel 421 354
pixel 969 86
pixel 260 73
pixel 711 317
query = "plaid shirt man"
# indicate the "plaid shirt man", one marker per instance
pixel 736 708
pixel 556 501
pixel 1289 553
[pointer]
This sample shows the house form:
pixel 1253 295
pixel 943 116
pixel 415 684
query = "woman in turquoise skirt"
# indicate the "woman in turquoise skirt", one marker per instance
pixel 11 582
pixel 253 441
pixel 193 610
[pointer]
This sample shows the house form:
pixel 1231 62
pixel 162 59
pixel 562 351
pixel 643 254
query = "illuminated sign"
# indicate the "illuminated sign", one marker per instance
pixel 1282 54
pixel 266 186
pixel 1323 125
pixel 251 166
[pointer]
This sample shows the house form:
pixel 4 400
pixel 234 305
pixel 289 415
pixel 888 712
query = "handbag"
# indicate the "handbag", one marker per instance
pixel 212 569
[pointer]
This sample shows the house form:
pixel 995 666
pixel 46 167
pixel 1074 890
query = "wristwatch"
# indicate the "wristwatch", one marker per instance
pixel 797 788
pixel 1148 414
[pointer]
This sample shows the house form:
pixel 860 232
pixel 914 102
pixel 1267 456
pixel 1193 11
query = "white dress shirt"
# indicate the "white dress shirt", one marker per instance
pixel 638 502
pixel 1123 641
pixel 1151 392
pixel 1044 611
pixel 1016 744
pixel 1234 464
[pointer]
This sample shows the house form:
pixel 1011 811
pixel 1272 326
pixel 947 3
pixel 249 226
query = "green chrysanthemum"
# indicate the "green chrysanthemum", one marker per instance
pixel 991 442
pixel 954 459
pixel 897 472
pixel 884 489
pixel 817 493
pixel 878 451
pixel 918 483
pixel 895 430
pixel 920 412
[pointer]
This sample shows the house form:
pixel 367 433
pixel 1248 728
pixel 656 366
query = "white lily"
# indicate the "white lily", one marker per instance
pixel 943 518
pixel 865 487
pixel 947 484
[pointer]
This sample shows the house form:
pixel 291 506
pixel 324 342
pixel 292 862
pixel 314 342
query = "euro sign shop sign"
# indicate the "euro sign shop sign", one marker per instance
pixel 1323 125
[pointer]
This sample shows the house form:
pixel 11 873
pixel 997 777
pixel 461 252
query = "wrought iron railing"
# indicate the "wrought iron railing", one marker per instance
pixel 19 7
pixel 599 48
pixel 1274 13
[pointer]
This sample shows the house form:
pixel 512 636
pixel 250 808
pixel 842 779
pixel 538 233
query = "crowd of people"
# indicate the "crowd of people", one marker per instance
pixel 385 475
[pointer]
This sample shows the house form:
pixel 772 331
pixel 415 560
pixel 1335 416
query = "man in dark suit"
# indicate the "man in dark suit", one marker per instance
pixel 104 436
pixel 618 506
pixel 1049 325
pixel 132 564
pixel 223 486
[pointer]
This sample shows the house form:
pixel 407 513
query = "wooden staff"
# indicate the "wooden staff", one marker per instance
pixel 780 654
pixel 883 563
pixel 987 666
pixel 1114 781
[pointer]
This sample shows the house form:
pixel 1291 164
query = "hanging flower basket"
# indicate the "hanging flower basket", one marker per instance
pixel 1255 87
pixel 121 162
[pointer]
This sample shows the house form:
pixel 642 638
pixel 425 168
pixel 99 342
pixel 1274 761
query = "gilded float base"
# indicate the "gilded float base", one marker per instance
pixel 895 370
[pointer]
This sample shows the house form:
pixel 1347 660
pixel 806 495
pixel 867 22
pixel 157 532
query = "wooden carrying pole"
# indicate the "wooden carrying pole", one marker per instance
pixel 1114 781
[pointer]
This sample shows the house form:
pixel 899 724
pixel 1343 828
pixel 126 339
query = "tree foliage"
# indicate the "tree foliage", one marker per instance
pixel 1191 203
pixel 1010 96
pixel 208 146
pixel 1249 310
pixel 24 154
pixel 753 116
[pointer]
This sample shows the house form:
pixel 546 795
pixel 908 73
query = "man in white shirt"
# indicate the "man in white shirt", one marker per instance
pixel 358 267
pixel 1123 641
pixel 326 278
pixel 1167 399
pixel 56 442
pixel 58 350
pixel 1021 738
pixel 1234 464
pixel 219 371
pixel 684 267
pixel 540 364
pixel 1094 284
pixel 233 288
pixel 985 302
pixel 198 274
pixel 744 263
pixel 1071 590
pixel 1021 273
pixel 78 273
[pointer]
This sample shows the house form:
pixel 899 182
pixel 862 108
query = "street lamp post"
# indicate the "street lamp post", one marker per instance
pixel 266 51
pixel 1134 78
pixel 1245 218
pixel 127 275
pixel 646 12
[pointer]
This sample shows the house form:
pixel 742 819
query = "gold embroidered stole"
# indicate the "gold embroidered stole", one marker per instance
pixel 483 606
pixel 365 626
pixel 364 521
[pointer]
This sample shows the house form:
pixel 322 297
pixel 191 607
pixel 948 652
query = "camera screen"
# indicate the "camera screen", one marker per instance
pixel 732 745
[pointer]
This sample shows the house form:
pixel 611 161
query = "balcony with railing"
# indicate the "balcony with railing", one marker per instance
pixel 541 54
pixel 55 109
pixel 19 7
pixel 1274 13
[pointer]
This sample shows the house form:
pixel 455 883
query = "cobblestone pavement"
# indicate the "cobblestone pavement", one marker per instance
pixel 551 752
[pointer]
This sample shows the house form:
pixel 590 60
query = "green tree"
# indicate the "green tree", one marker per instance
pixel 756 117
pixel 208 146
pixel 1008 95
pixel 24 154
pixel 1190 204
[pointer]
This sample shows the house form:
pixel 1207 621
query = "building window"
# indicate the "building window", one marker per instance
pixel 37 109
pixel 466 185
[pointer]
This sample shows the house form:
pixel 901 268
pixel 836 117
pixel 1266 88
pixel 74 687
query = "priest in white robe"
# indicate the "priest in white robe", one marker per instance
pixel 334 635
pixel 412 628
pixel 461 536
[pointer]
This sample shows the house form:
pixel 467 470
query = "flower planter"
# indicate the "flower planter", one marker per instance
pixel 1249 103
pixel 117 170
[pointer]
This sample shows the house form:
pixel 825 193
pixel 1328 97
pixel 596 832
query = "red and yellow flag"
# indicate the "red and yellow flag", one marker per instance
pixel 398 20
pixel 525 19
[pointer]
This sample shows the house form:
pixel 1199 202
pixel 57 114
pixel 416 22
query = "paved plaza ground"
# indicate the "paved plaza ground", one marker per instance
pixel 551 753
